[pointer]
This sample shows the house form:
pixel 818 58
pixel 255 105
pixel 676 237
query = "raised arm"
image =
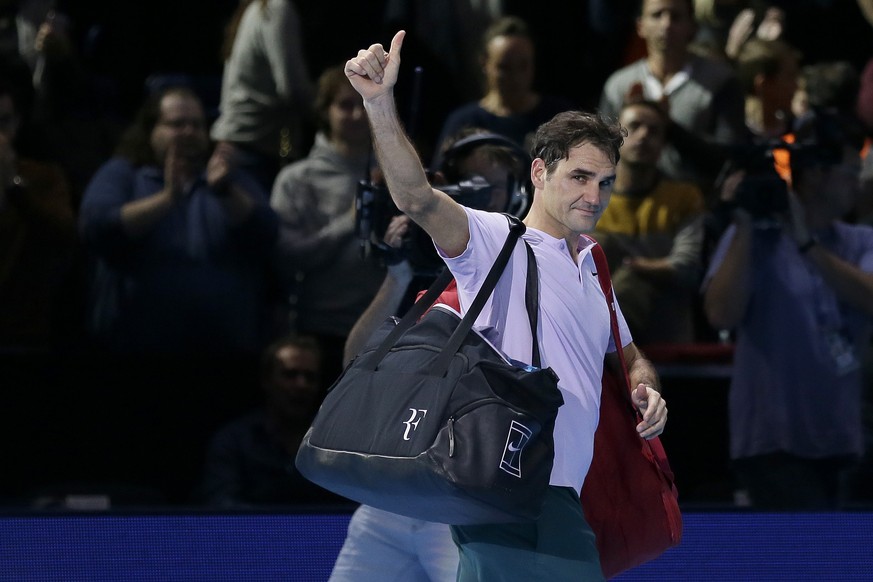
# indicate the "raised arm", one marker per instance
pixel 373 74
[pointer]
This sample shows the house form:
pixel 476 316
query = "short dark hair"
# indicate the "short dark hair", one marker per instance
pixel 301 342
pixel 762 57
pixel 825 132
pixel 692 11
pixel 832 84
pixel 556 137
pixel 506 26
pixel 648 103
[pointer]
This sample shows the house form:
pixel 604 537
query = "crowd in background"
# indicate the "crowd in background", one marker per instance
pixel 180 228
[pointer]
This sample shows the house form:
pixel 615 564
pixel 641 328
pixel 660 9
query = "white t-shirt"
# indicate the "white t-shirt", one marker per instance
pixel 574 326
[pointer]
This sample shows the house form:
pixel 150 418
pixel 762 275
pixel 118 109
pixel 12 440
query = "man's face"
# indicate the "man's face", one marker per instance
pixel 646 135
pixel 832 190
pixel 666 25
pixel 347 118
pixel 479 163
pixel 576 192
pixel 509 64
pixel 294 386
pixel 9 120
pixel 183 124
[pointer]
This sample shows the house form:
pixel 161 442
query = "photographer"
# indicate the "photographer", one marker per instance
pixel 485 170
pixel 380 544
pixel 796 286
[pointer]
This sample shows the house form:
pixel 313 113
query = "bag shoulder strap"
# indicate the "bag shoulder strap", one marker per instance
pixel 603 276
pixel 516 228
pixel 531 297
pixel 653 446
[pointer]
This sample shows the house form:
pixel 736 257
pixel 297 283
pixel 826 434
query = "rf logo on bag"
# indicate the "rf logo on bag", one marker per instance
pixel 518 437
pixel 417 416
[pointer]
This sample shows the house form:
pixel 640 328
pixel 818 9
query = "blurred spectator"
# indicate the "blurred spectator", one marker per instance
pixel 835 86
pixel 266 91
pixel 320 260
pixel 827 85
pixel 510 106
pixel 702 96
pixel 441 43
pixel 38 241
pixel 250 461
pixel 182 247
pixel 760 20
pixel 652 234
pixel 768 71
pixel 77 109
pixel 797 287
pixel 20 22
pixel 715 19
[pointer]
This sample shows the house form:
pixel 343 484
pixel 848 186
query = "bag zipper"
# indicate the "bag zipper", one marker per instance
pixel 450 423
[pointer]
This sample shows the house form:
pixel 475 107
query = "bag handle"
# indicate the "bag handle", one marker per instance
pixel 516 228
pixel 602 266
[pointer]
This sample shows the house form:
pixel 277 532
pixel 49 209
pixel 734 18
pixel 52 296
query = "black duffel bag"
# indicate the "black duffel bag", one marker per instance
pixel 430 421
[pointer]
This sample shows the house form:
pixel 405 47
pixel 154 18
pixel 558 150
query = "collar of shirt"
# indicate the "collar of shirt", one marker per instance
pixel 654 90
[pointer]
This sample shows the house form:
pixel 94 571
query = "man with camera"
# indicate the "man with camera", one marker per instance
pixel 796 287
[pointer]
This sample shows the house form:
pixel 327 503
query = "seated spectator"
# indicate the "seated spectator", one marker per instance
pixel 182 247
pixel 319 259
pixel 250 461
pixel 510 106
pixel 702 96
pixel 266 92
pixel 652 234
pixel 796 285
pixel 38 241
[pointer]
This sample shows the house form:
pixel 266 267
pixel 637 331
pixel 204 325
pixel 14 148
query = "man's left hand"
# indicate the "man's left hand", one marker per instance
pixel 653 408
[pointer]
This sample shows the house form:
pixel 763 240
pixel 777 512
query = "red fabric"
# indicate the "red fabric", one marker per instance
pixel 629 497
pixel 448 297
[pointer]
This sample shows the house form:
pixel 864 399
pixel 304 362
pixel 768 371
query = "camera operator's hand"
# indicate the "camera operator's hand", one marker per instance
pixel 728 196
pixel 392 248
pixel 374 71
pixel 795 220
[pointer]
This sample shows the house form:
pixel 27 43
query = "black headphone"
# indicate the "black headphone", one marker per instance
pixel 520 187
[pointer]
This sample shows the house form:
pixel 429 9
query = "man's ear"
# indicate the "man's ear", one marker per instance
pixel 538 173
